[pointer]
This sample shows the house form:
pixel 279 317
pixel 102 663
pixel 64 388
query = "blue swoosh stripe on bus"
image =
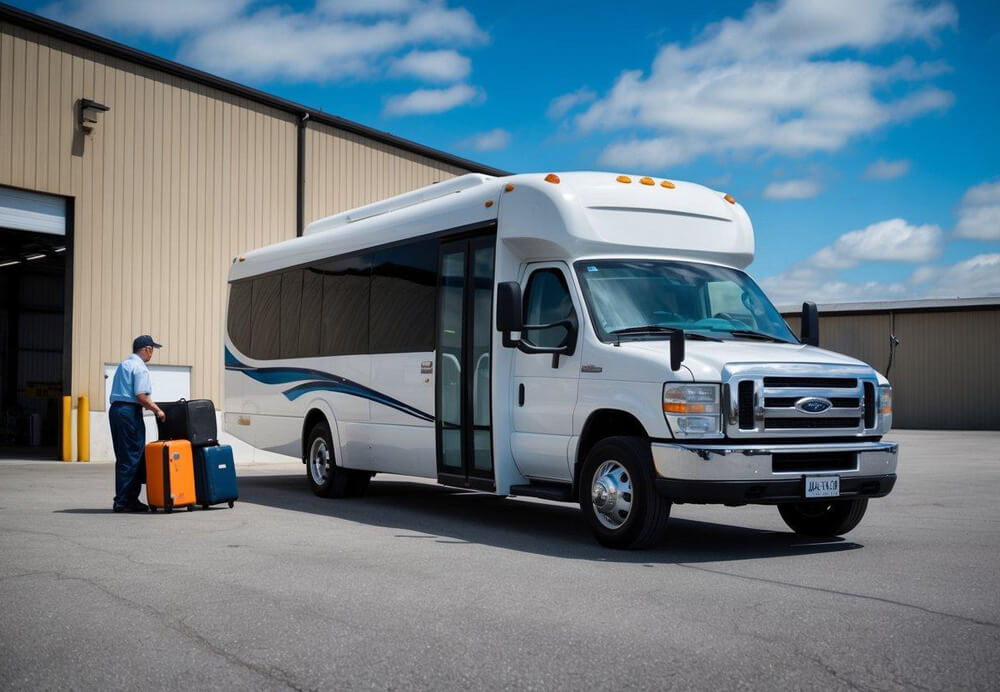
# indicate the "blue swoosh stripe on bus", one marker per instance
pixel 317 380
pixel 358 391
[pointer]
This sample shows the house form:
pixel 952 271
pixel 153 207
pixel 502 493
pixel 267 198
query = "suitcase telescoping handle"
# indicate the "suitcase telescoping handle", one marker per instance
pixel 168 498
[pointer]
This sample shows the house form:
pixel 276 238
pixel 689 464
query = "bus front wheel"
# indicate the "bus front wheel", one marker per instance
pixel 618 496
pixel 325 478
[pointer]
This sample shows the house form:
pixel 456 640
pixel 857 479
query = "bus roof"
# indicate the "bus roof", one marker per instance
pixel 568 214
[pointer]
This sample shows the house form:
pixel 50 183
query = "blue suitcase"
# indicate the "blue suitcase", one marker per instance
pixel 215 475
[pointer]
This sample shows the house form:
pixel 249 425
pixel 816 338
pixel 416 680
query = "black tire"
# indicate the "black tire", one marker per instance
pixel 204 506
pixel 231 503
pixel 631 466
pixel 823 519
pixel 336 481
pixel 190 508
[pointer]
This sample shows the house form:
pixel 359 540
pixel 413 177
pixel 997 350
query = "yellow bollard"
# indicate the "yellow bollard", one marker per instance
pixel 83 428
pixel 67 429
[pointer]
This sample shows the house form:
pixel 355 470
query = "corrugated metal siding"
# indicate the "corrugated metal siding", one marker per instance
pixel 175 180
pixel 344 170
pixel 945 373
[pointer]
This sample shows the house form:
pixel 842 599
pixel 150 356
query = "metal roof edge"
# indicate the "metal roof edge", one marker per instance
pixel 924 304
pixel 64 32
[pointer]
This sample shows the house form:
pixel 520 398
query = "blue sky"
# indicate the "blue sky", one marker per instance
pixel 861 135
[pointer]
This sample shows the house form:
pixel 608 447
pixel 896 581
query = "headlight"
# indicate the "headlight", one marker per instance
pixel 692 410
pixel 885 408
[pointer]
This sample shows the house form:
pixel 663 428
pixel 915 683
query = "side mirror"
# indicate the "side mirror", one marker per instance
pixel 509 316
pixel 810 324
pixel 676 349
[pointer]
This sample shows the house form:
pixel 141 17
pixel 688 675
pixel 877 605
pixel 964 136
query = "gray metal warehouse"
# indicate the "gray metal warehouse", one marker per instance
pixel 113 158
pixel 941 356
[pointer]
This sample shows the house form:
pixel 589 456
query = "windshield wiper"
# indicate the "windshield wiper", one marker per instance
pixel 660 329
pixel 751 334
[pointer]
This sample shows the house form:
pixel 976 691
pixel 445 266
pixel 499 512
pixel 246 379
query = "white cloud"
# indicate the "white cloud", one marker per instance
pixel 767 83
pixel 894 240
pixel 491 140
pixel 979 212
pixel 433 66
pixel 971 278
pixel 350 8
pixel 974 277
pixel 324 45
pixel 792 189
pixel 153 17
pixel 428 101
pixel 816 278
pixel 887 170
pixel 562 105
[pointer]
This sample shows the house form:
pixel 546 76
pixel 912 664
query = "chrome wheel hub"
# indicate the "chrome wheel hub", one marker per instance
pixel 319 461
pixel 611 494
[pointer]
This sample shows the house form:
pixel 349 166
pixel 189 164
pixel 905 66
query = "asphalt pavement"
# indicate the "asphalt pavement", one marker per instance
pixel 417 586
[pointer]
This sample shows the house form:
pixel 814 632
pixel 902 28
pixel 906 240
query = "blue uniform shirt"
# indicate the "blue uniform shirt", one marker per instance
pixel 131 378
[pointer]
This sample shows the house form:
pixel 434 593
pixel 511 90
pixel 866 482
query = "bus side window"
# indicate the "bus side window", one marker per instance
pixel 291 305
pixel 265 320
pixel 346 291
pixel 310 314
pixel 238 321
pixel 404 298
pixel 547 300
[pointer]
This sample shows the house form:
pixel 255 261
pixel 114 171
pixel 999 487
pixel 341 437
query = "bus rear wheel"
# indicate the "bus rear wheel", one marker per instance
pixel 326 478
pixel 618 496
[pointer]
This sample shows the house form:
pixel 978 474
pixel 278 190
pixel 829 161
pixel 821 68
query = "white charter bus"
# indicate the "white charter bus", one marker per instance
pixel 585 337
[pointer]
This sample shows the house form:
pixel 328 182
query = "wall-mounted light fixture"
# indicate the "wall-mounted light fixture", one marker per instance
pixel 90 113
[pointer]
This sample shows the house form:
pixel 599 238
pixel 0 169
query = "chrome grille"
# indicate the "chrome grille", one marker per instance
pixel 776 400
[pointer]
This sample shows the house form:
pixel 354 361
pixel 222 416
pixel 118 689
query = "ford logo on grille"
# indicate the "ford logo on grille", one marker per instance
pixel 812 404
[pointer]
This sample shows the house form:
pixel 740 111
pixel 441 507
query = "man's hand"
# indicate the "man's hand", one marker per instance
pixel 160 415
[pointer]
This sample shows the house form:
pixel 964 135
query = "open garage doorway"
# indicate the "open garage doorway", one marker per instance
pixel 34 322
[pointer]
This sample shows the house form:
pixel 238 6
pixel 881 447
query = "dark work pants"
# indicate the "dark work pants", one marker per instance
pixel 128 433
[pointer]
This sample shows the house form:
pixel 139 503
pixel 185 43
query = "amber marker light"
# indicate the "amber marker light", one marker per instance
pixel 729 198
pixel 552 178
pixel 667 184
pixel 623 179
pixel 488 203
pixel 509 187
pixel 646 181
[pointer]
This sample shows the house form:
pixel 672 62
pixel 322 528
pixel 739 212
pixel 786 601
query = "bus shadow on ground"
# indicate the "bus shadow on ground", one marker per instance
pixel 451 515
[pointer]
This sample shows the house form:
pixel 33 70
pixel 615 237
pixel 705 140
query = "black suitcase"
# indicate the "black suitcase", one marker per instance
pixel 189 420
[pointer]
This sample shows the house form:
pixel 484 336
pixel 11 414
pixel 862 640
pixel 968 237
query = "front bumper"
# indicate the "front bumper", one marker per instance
pixel 745 473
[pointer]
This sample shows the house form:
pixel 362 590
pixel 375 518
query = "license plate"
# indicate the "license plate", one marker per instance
pixel 822 486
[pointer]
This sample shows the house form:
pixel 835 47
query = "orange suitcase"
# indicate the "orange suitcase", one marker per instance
pixel 169 475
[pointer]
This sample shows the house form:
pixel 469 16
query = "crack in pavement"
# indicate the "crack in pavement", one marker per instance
pixel 272 673
pixel 820 589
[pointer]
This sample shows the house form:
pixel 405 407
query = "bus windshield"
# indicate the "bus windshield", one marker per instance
pixel 646 298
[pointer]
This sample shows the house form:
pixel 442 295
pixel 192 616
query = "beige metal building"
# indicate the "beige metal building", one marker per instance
pixel 945 372
pixel 127 185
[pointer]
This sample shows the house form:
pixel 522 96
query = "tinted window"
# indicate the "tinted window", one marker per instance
pixel 291 304
pixel 238 320
pixel 265 325
pixel 346 287
pixel 547 300
pixel 310 314
pixel 403 297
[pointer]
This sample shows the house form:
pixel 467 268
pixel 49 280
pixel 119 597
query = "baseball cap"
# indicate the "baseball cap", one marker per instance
pixel 144 341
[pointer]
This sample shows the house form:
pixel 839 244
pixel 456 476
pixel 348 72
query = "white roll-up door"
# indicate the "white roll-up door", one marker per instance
pixel 32 211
